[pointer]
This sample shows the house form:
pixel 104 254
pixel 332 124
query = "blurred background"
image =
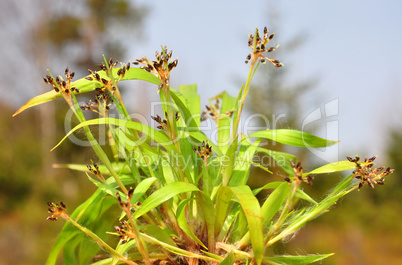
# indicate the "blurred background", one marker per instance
pixel 342 60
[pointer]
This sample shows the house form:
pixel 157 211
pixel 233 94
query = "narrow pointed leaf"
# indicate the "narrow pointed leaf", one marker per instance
pixel 296 260
pixel 281 159
pixel 85 85
pixel 333 167
pixel 164 194
pixel 229 259
pixel 152 133
pixel 252 210
pixel 182 220
pixel 293 137
pixel 158 233
pixel 274 202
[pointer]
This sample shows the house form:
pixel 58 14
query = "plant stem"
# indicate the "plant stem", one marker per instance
pixel 250 76
pixel 98 240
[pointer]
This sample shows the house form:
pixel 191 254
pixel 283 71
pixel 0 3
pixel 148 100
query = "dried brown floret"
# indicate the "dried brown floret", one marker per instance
pixel 56 211
pixel 204 151
pixel 366 174
pixel 259 46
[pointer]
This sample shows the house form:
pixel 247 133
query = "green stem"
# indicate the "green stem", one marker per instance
pixel 98 240
pixel 140 241
pixel 246 87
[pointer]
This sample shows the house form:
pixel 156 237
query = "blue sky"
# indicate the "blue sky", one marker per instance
pixel 353 46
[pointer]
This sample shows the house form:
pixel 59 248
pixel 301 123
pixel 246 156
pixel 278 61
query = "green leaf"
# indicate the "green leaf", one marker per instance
pixel 311 214
pixel 164 194
pixel 118 167
pixel 295 260
pixel 141 189
pixel 191 99
pixel 228 162
pixel 252 210
pixel 159 233
pixel 223 126
pixel 271 205
pixel 85 85
pixel 201 137
pixel 332 167
pixel 229 259
pixel 207 207
pixel 282 159
pixel 243 163
pixel 270 185
pixel 182 220
pixel 304 196
pixel 223 200
pixel 152 133
pixel 86 214
pixel 293 137
pixel 274 202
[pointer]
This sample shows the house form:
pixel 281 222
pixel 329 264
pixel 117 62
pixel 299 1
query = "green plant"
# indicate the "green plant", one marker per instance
pixel 183 199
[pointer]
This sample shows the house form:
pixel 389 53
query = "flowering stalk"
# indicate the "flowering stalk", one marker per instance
pixel 58 210
pixel 259 46
pixel 64 87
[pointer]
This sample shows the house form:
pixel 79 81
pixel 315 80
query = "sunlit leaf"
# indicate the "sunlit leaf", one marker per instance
pixel 332 167
pixel 252 210
pixel 293 137
pixel 164 194
pixel 295 260
pixel 85 85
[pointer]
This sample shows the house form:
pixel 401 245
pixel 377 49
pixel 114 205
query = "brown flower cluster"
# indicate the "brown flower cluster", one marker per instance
pixel 163 123
pixel 101 105
pixel 125 232
pixel 367 174
pixel 204 151
pixel 298 169
pixel 160 68
pixel 109 83
pixel 213 112
pixel 61 85
pixel 56 211
pixel 94 169
pixel 259 46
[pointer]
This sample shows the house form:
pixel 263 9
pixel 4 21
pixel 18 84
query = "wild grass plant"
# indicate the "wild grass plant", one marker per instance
pixel 170 195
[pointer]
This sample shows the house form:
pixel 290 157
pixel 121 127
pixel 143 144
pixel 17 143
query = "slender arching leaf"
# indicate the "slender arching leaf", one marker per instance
pixel 155 135
pixel 188 99
pixel 304 196
pixel 164 194
pixel 207 207
pixel 87 213
pixel 274 202
pixel 243 163
pixel 229 259
pixel 282 159
pixel 227 107
pixel 332 167
pixel 252 210
pixel 228 162
pixel 85 85
pixel 159 233
pixel 223 200
pixel 182 220
pixel 201 137
pixel 141 189
pixel 293 137
pixel 118 167
pixel 295 260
